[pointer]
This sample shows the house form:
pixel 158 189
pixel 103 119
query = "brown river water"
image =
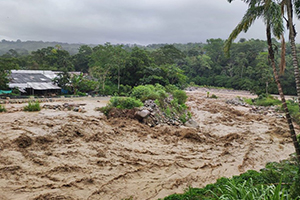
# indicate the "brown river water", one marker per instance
pixel 54 154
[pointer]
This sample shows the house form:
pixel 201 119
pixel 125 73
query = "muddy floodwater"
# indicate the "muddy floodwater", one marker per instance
pixel 61 154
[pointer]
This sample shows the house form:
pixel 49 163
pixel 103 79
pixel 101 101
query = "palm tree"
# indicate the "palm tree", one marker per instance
pixel 292 34
pixel 272 16
pixel 288 4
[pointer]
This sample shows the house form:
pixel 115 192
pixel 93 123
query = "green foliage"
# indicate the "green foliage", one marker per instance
pixel 213 96
pixel 121 103
pixel 32 106
pixel 158 94
pixel 125 102
pixel 171 88
pixel 275 181
pixel 265 100
pixel 144 92
pixel 204 64
pixel 2 108
pixel 248 101
pixel 124 90
pixel 294 110
pixel 6 64
pixel 180 95
pixel 176 109
pixel 248 191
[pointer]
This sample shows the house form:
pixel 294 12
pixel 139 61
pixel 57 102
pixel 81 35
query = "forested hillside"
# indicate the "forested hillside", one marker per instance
pixel 116 68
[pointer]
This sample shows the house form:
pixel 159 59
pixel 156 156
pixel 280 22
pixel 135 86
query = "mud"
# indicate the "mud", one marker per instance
pixel 56 154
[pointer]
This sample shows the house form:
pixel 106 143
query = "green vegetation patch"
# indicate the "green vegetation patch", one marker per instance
pixel 121 103
pixel 275 181
pixel 263 100
pixel 2 108
pixel 145 92
pixel 32 107
pixel 169 99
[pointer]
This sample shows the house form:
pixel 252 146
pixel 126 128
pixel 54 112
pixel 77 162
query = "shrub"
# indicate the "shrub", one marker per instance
pixel 171 88
pixel 125 102
pixel 32 106
pixel 213 96
pixel 145 92
pixel 180 95
pixel 2 108
pixel 142 92
pixel 124 90
pixel 81 93
pixel 265 100
pixel 121 103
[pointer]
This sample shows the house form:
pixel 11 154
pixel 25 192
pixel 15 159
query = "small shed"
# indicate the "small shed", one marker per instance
pixel 34 82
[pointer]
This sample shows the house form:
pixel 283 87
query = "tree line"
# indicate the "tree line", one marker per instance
pixel 115 68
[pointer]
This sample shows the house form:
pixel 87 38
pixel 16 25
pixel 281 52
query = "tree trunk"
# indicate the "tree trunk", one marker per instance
pixel 287 113
pixel 292 35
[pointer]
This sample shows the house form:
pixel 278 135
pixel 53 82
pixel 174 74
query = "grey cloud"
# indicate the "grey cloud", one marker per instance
pixel 122 21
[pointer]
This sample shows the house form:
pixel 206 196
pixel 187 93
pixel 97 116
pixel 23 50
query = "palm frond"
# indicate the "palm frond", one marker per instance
pixel 297 8
pixel 250 16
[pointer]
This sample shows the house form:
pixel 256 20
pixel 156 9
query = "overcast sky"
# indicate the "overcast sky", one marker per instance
pixel 122 21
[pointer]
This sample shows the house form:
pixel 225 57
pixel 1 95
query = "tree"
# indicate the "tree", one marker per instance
pixel 105 60
pixel 167 54
pixel 53 59
pixel 136 63
pixel 288 4
pixel 6 64
pixel 82 58
pixel 272 15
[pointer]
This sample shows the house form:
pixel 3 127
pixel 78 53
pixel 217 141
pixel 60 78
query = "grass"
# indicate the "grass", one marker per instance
pixel 32 107
pixel 276 181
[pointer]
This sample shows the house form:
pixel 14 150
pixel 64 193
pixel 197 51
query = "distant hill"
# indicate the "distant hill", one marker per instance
pixel 26 47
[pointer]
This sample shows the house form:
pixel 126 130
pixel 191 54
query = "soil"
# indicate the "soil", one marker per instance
pixel 54 154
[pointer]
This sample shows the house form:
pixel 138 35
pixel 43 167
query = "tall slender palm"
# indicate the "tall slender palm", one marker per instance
pixel 272 16
pixel 289 5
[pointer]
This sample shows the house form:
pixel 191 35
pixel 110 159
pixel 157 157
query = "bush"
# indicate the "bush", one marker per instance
pixel 124 90
pixel 2 108
pixel 31 107
pixel 145 92
pixel 266 100
pixel 125 102
pixel 213 96
pixel 171 88
pixel 121 103
pixel 81 93
pixel 180 95
pixel 142 92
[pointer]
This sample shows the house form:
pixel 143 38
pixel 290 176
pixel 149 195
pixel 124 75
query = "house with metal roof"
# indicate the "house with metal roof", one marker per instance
pixel 34 82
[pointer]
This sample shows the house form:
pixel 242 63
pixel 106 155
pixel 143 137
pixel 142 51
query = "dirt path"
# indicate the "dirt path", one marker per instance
pixel 70 155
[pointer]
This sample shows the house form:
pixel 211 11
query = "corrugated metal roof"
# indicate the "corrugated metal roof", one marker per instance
pixel 35 86
pixel 47 73
pixel 35 79
pixel 43 86
pixel 28 77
